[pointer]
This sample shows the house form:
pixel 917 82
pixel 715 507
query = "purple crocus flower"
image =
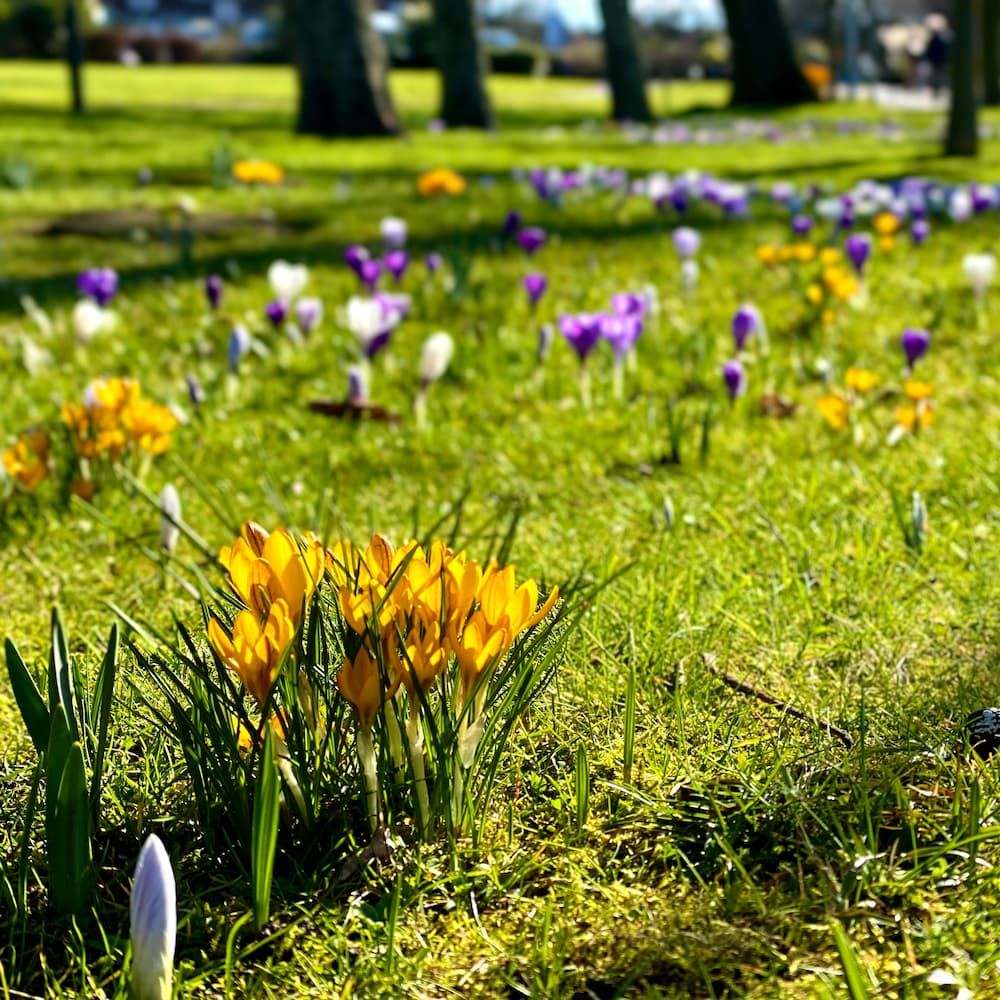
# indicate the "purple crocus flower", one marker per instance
pixel 369 272
pixel 355 256
pixel 396 263
pixel 535 285
pixel 735 378
pixel 239 344
pixel 629 304
pixel 308 313
pixel 277 311
pixel 582 332
pixel 357 386
pixel 746 322
pixel 511 224
pixel 433 262
pixel 802 225
pixel 858 247
pixel 531 239
pixel 687 241
pixel 915 344
pixel 919 232
pixel 99 284
pixel 213 290
pixel 621 332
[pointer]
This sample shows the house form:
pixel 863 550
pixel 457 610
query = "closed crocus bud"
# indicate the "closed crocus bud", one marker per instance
pixel 746 322
pixel 170 510
pixel 511 224
pixel 435 357
pixel 858 247
pixel 195 391
pixel 239 344
pixel 99 284
pixel 355 256
pixel 276 311
pixel 308 314
pixel 735 378
pixel 213 290
pixel 919 232
pixel 153 913
pixel 357 386
pixel 980 270
pixel 394 232
pixel 88 320
pixel 369 272
pixel 287 280
pixel 531 239
pixel 535 285
pixel 802 224
pixel 433 262
pixel 687 242
pixel 915 344
pixel 396 262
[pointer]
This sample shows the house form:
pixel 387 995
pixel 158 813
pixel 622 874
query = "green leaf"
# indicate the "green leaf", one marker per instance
pixel 61 676
pixel 582 788
pixel 264 835
pixel 101 711
pixel 28 698
pixel 857 987
pixel 55 764
pixel 71 865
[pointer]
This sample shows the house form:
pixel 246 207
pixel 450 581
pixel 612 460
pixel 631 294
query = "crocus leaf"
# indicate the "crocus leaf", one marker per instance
pixel 264 836
pixel 28 698
pixel 55 763
pixel 102 712
pixel 61 676
pixel 71 865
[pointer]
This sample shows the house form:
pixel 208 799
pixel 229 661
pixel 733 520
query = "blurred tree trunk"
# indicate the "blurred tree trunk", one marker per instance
pixel 991 53
pixel 765 72
pixel 342 65
pixel 74 57
pixel 624 71
pixel 460 59
pixel 963 131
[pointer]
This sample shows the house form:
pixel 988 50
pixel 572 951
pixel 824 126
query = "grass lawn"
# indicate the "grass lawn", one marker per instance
pixel 742 835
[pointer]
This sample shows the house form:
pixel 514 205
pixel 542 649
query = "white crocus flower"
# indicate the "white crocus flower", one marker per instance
pixel 980 269
pixel 394 232
pixel 434 360
pixel 89 319
pixel 170 508
pixel 287 280
pixel 153 912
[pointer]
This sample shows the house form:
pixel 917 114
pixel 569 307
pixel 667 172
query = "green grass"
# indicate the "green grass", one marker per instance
pixel 744 835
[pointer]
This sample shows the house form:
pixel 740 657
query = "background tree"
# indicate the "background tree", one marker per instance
pixel 74 58
pixel 991 52
pixel 765 71
pixel 342 67
pixel 461 61
pixel 624 71
pixel 963 130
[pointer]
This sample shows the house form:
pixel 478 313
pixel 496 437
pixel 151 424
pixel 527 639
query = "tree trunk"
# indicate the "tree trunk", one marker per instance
pixel 624 71
pixel 461 62
pixel 74 58
pixel 963 131
pixel 765 72
pixel 991 53
pixel 342 66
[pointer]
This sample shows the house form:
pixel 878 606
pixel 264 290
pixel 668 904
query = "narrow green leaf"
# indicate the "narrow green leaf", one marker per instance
pixel 582 788
pixel 55 764
pixel 28 698
pixel 629 750
pixel 101 711
pixel 61 676
pixel 71 865
pixel 264 836
pixel 857 987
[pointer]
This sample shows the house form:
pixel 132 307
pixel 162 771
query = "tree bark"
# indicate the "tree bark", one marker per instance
pixel 461 62
pixel 74 58
pixel 624 71
pixel 765 71
pixel 963 129
pixel 342 66
pixel 991 52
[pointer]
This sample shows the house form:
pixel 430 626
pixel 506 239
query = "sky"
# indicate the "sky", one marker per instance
pixel 584 13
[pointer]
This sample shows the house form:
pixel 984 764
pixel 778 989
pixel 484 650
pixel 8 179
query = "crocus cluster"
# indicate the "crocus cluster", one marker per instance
pixel 288 281
pixel 28 460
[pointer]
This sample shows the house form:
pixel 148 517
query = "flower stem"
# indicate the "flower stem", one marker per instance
pixel 366 754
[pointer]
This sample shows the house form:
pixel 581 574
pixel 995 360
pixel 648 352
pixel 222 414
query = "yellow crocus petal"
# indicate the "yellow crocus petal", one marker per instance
pixel 359 683
pixel 835 410
pixel 916 390
pixel 378 557
pixel 496 592
pixel 542 612
pixel 860 379
pixel 521 606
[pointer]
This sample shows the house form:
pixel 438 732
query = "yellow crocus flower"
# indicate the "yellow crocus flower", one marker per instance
pixel 836 410
pixel 917 390
pixel 860 379
pixel 360 683
pixel 256 649
pixel 27 459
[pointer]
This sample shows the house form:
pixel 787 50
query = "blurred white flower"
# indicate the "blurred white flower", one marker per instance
pixel 394 232
pixel 689 274
pixel 980 269
pixel 153 912
pixel 88 320
pixel 308 314
pixel 170 507
pixel 287 280
pixel 435 356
